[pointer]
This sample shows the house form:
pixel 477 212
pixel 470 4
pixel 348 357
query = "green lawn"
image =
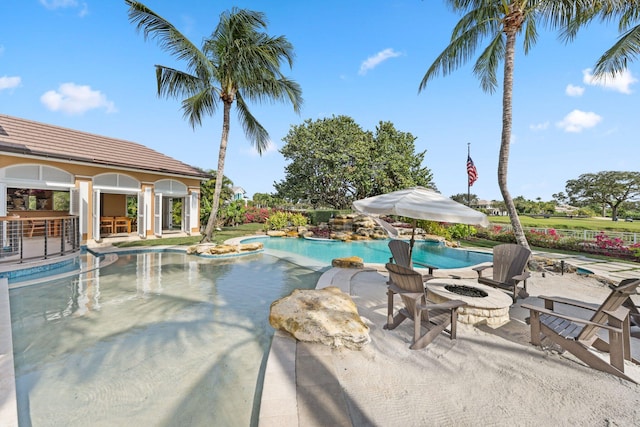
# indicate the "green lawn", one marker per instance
pixel 219 237
pixel 572 223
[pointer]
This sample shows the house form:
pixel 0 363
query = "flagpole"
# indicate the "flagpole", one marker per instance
pixel 468 187
pixel 468 181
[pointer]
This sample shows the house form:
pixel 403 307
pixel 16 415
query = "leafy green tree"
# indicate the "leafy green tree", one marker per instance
pixel 560 198
pixel 394 163
pixel 609 188
pixel 237 63
pixel 501 21
pixel 333 162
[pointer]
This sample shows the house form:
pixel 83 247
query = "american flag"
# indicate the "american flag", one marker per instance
pixel 471 171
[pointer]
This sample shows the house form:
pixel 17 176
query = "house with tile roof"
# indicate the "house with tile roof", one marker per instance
pixel 51 171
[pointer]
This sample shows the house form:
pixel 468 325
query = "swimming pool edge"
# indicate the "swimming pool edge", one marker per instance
pixel 8 397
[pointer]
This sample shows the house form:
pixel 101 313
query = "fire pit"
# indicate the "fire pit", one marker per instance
pixel 483 304
pixel 467 291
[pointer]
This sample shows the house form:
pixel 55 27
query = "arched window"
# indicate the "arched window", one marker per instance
pixel 171 187
pixel 116 183
pixel 36 176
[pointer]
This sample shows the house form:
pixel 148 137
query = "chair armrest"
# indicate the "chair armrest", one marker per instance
pixel 620 313
pixel 479 269
pixel 523 276
pixel 566 301
pixel 430 267
pixel 570 318
pixel 447 305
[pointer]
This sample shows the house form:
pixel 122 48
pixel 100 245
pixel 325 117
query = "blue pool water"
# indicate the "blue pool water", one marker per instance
pixel 373 251
pixel 154 339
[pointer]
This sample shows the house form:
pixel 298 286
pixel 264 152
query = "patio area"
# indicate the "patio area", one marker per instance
pixel 488 376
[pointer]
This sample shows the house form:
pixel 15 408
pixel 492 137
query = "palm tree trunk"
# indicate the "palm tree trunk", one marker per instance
pixel 503 161
pixel 222 153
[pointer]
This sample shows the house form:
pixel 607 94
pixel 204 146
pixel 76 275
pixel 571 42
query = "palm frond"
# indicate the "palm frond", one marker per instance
pixel 175 83
pixel 466 36
pixel 486 67
pixel 168 37
pixel 615 60
pixel 203 103
pixel 257 134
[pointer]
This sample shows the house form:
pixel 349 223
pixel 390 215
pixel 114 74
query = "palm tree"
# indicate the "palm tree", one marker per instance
pixel 615 59
pixel 501 21
pixel 236 64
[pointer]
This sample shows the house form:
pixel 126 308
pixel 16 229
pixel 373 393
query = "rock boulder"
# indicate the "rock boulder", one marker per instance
pixel 327 316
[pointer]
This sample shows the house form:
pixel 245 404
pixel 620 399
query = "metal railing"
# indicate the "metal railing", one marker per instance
pixel 28 239
pixel 584 235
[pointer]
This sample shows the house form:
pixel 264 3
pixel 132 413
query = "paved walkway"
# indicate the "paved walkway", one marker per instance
pixel 302 385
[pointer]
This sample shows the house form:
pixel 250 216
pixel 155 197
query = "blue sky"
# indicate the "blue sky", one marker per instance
pixel 82 65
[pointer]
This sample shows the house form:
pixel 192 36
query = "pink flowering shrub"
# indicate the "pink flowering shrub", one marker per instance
pixel 603 244
pixel 258 215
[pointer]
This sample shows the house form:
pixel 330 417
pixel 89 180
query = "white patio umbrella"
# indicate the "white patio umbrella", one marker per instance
pixel 420 203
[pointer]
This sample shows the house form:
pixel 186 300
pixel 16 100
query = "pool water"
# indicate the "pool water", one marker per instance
pixel 153 339
pixel 374 251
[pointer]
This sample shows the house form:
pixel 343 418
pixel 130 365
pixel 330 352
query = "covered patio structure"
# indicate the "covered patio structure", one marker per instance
pixel 112 187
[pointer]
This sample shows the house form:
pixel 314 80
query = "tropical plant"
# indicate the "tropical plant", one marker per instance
pixel 277 221
pixel 281 220
pixel 233 213
pixel 501 21
pixel 237 63
pixel 207 190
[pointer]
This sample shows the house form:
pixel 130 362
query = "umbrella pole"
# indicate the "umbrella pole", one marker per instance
pixel 413 234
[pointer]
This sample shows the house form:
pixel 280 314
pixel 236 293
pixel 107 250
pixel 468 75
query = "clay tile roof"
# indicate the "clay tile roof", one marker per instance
pixel 37 139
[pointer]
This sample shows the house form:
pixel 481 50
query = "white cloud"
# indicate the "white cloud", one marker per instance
pixel 576 121
pixel 75 99
pixel 539 126
pixel 375 60
pixel 9 82
pixel 57 4
pixel 61 4
pixel 572 90
pixel 84 11
pixel 621 82
pixel 1 49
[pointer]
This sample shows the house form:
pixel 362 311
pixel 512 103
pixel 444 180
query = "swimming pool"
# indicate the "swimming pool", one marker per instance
pixel 152 339
pixel 373 251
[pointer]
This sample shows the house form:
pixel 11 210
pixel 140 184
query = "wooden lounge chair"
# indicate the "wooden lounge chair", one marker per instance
pixel 401 254
pixel 435 318
pixel 634 309
pixel 509 264
pixel 579 336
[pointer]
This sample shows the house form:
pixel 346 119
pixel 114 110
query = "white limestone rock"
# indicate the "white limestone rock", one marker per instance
pixel 327 316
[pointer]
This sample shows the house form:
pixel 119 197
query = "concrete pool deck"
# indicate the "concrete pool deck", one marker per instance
pixel 486 377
